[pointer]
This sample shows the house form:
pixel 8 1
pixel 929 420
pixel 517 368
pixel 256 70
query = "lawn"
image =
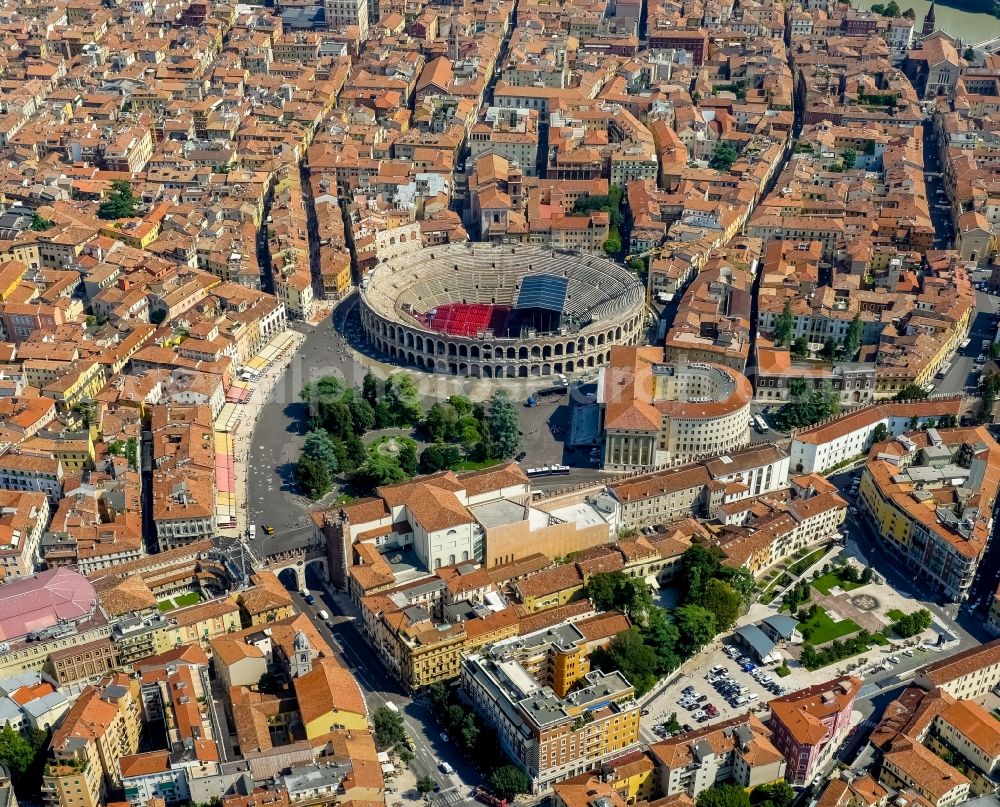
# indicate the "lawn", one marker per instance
pixel 181 600
pixel 471 465
pixel 825 582
pixel 895 614
pixel 800 566
pixel 821 629
pixel 190 598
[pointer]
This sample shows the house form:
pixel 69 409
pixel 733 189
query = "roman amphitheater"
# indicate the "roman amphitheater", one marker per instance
pixel 501 311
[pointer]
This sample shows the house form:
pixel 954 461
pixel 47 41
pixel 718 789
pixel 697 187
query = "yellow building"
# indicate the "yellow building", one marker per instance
pixel 75 454
pixel 264 602
pixel 102 727
pixel 512 686
pixel 198 623
pixel 329 699
pixel 81 383
pixel 550 588
pixel 931 495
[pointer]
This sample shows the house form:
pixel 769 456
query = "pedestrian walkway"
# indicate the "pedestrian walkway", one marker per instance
pixel 234 427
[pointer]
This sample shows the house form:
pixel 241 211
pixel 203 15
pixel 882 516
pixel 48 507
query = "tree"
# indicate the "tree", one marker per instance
pixel 910 14
pixel 852 342
pixel 369 389
pixel 969 54
pixel 267 683
pixel 614 591
pixel 120 203
pixel 878 8
pixel 662 636
pixel 629 654
pixel 402 400
pixel 849 157
pixel 696 626
pixel 335 417
pixel 784 325
pixel 699 564
pixel 775 794
pixel 440 422
pixel 800 347
pixel 312 477
pixel 911 392
pixel 892 9
pixel 612 244
pixel 723 796
pixel 39 223
pixel 362 414
pixel 988 388
pixel 320 447
pixel 947 422
pixel 354 452
pixel 722 601
pixel 741 580
pixel 503 424
pixel 508 781
pixel 389 729
pixel 16 752
pixel 880 433
pixel 673 724
pixel 438 457
pixel 408 457
pixel 724 157
pixel 379 469
pixel 425 784
pixel 829 349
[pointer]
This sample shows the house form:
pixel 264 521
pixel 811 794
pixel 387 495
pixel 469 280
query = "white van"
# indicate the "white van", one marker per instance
pixel 252 531
pixel 392 707
pixel 752 697
pixel 446 768
pixel 322 615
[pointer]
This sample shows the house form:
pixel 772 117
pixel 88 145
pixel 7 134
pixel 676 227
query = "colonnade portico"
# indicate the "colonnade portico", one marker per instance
pixel 630 449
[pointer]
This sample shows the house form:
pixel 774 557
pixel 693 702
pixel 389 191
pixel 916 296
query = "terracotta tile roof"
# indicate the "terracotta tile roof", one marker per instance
pixel 326 688
pixel 550 581
pixel 803 711
pixel 145 764
pixel 932 775
pixel 975 658
pixel 974 723
pixel 866 416
pixel 678 752
pixel 603 626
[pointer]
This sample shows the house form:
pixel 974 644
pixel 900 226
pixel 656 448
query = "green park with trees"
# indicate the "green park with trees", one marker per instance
pixel 712 597
pixel 457 434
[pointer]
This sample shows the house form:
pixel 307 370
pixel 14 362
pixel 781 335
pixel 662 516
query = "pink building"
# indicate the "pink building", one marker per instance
pixel 808 725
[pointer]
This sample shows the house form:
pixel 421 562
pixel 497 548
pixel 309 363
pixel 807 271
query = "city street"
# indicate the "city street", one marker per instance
pixel 379 687
pixel 336 349
pixel 962 378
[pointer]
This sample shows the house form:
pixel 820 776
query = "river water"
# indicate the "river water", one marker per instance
pixel 968 20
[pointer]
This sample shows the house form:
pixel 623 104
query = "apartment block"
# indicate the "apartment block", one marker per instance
pixel 513 685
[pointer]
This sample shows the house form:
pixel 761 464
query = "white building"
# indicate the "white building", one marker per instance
pixel 848 437
pixel 150 775
pixel 341 13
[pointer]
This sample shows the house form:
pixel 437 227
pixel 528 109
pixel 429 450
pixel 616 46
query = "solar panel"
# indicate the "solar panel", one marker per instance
pixel 547 292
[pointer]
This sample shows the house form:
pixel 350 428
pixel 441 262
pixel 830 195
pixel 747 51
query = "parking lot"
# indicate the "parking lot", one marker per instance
pixel 731 685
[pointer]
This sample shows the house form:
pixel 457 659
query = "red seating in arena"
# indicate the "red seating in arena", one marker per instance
pixel 468 319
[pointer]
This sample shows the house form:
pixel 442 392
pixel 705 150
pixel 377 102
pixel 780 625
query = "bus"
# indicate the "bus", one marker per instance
pixel 761 423
pixel 945 368
pixel 548 470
